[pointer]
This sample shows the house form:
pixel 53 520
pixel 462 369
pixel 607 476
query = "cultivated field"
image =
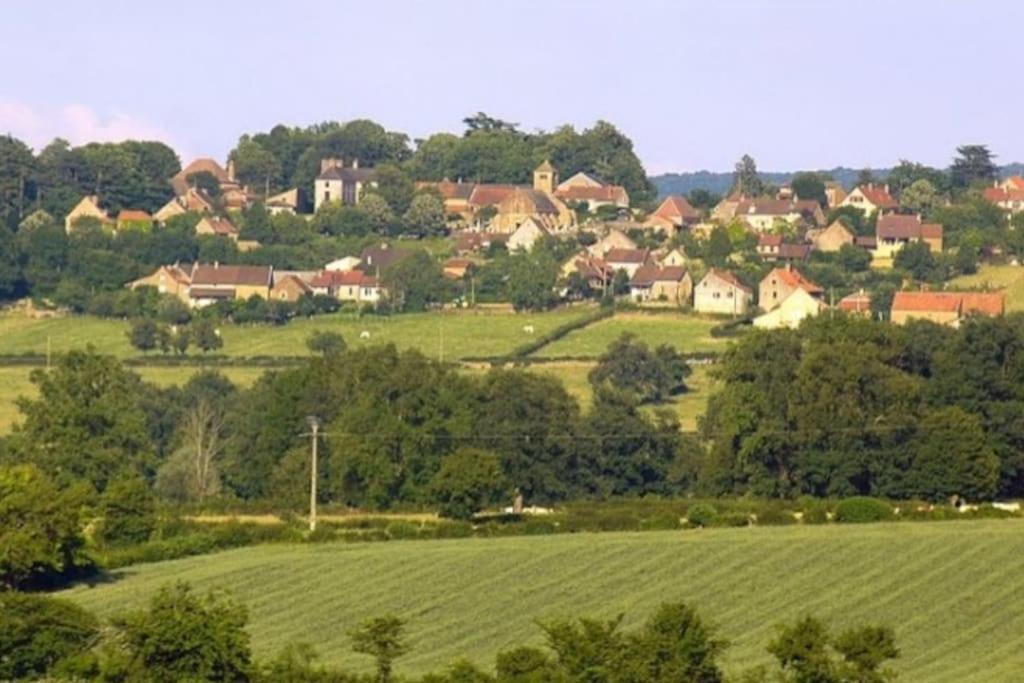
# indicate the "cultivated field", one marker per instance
pixel 688 333
pixel 952 590
pixel 457 334
pixel 1010 278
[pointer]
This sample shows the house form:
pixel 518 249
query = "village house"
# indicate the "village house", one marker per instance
pixel 720 292
pixel 857 304
pixel 675 257
pixel 834 194
pixel 628 260
pixel 232 194
pixel 216 225
pixel 945 308
pixel 780 283
pixel 132 219
pixel 473 242
pixel 870 199
pixel 582 188
pixel 831 239
pixel 216 282
pixel 174 279
pixel 673 214
pixel 894 231
pixel 194 200
pixel 1007 194
pixel 772 247
pixel 615 239
pixel 526 235
pixel 343 264
pixel 375 260
pixel 652 283
pixel 455 196
pixel 513 204
pixel 350 286
pixel 338 182
pixel 797 306
pixel 289 288
pixel 87 207
pixel 762 215
pixel 456 268
pixel 594 271
pixel 283 202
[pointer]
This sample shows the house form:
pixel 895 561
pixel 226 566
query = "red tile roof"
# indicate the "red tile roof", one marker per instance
pixel 895 226
pixel 769 240
pixel 937 302
pixel 489 195
pixel 205 275
pixel 326 279
pixel 676 208
pixel 604 193
pixel 793 278
pixel 878 195
pixel 997 195
pixel 986 303
pixel 626 255
pixel 729 278
pixel 133 215
pixel 855 303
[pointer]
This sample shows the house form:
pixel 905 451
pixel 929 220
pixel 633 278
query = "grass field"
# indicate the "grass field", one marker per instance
pixel 457 334
pixel 573 374
pixel 952 591
pixel 688 333
pixel 1010 278
pixel 15 381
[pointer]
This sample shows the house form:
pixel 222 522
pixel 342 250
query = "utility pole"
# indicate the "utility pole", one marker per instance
pixel 314 425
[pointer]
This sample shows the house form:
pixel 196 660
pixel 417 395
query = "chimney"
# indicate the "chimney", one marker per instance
pixel 355 163
pixel 887 188
pixel 331 162
pixel 216 265
pixel 231 170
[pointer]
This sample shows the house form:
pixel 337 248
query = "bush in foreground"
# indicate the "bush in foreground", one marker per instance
pixel 861 509
pixel 38 632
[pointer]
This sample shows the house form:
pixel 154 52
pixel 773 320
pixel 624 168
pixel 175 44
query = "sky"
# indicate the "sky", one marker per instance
pixel 798 84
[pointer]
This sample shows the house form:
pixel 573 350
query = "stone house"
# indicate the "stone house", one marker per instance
pixel 780 283
pixel 945 308
pixel 720 292
pixel 870 199
pixel 652 283
pixel 832 238
pixel 894 231
pixel 338 182
pixel 526 235
pixel 216 281
pixel 799 305
pixel 87 207
pixel 673 214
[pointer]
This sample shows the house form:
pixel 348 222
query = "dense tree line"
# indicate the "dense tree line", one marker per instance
pixel 489 151
pixel 184 635
pixel 848 406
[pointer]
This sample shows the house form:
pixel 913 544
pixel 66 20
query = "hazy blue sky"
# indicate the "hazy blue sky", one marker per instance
pixel 795 83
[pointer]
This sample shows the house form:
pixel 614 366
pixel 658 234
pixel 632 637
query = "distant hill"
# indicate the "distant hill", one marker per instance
pixel 719 183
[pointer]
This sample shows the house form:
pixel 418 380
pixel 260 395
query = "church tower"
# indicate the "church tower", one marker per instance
pixel 545 178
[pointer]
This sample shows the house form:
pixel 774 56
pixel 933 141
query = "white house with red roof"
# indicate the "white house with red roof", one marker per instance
pixel 780 283
pixel 1007 194
pixel 871 199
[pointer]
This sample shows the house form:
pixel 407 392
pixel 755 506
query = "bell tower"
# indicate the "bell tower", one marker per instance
pixel 545 178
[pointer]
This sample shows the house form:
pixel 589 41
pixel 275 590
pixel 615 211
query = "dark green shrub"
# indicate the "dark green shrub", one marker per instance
pixel 453 530
pixel 37 632
pixel 403 530
pixel 773 516
pixel 535 526
pixel 661 521
pixel 129 512
pixel 702 514
pixel 862 509
pixel 734 519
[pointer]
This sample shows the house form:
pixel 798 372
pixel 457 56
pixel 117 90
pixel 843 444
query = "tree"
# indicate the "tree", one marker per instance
pixel 906 173
pixel 143 334
pixel 745 179
pixel 951 455
pixel 378 212
pixel 254 165
pixel 182 636
pixel 206 336
pixel 128 510
pixel 205 181
pixel 86 423
pixel 193 470
pixel 326 342
pixel 719 247
pixel 414 283
pixel 468 480
pixel 531 281
pixel 426 215
pixel 40 535
pixel 652 376
pixel 10 266
pixel 395 186
pixel 808 653
pixel 383 639
pixel 973 163
pixel 38 632
pixel 920 197
pixel 917 259
pixel 807 185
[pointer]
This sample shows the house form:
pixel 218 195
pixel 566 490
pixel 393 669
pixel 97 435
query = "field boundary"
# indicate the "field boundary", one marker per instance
pixel 520 354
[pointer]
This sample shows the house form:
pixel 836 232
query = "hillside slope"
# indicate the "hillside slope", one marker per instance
pixel 953 591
